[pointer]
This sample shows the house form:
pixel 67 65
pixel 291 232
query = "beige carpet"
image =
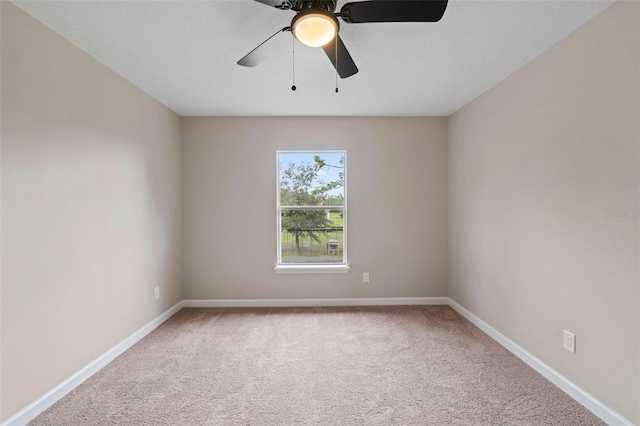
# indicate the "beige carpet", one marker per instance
pixel 415 365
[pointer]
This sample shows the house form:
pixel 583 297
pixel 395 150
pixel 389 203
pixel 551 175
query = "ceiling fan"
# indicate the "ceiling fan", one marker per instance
pixel 316 24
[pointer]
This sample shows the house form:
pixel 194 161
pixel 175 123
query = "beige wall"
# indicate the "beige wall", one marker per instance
pixel 534 163
pixel 91 209
pixel 396 194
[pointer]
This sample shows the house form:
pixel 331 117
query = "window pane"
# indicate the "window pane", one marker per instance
pixel 311 179
pixel 312 236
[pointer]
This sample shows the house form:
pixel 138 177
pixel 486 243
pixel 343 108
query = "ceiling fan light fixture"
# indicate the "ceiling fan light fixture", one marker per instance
pixel 315 28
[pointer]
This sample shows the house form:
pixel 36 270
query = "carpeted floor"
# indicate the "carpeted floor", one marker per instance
pixel 410 365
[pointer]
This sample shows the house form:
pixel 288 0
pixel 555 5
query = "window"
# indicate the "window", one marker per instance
pixel 312 211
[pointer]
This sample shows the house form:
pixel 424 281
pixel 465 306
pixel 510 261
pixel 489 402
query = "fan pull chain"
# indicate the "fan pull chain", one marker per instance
pixel 293 61
pixel 336 63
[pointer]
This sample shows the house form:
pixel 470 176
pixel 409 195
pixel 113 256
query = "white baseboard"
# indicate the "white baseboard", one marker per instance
pixel 588 401
pixel 272 303
pixel 580 395
pixel 31 411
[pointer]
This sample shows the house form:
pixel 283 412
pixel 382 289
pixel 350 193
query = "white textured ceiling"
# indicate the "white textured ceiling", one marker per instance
pixel 184 54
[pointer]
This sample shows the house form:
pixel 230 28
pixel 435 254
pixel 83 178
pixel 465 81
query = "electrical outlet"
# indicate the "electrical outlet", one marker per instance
pixel 569 341
pixel 157 292
pixel 365 277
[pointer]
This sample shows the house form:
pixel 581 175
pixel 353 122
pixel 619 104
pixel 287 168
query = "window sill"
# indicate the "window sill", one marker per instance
pixel 312 269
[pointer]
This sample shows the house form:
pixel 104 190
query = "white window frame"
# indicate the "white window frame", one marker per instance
pixel 311 267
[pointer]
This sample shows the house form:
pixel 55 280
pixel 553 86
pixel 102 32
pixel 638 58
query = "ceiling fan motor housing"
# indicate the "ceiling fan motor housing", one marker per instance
pixel 301 5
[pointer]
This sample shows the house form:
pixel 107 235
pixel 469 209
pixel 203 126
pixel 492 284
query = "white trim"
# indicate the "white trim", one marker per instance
pixel 259 303
pixel 311 269
pixel 279 208
pixel 592 404
pixel 32 410
pixel 581 396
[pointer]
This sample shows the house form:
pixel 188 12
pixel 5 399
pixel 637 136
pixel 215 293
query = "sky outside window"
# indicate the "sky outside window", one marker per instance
pixel 325 174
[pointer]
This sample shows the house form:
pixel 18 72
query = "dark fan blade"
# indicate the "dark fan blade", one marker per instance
pixel 278 4
pixel 258 54
pixel 394 11
pixel 346 67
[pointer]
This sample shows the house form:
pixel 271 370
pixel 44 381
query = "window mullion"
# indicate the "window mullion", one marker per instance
pixel 339 208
